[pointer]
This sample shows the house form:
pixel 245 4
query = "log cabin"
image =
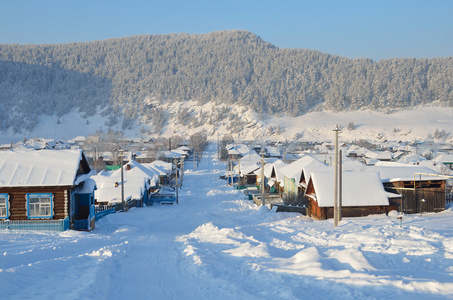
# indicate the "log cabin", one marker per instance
pixel 46 190
pixel 363 194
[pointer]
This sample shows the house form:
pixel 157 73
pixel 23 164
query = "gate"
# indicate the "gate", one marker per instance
pixel 422 200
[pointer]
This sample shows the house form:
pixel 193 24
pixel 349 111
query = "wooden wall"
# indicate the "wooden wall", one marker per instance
pixel 323 213
pixel 433 192
pixel 18 200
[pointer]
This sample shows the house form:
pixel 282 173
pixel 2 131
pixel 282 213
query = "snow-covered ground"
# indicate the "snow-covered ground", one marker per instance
pixel 216 244
pixel 406 125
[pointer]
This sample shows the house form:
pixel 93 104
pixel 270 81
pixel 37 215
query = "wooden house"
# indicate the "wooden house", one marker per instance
pixel 446 159
pixel 163 169
pixel 234 154
pixel 414 183
pixel 294 180
pixel 363 194
pixel 248 175
pixel 422 189
pixel 137 180
pixel 46 189
pixel 273 177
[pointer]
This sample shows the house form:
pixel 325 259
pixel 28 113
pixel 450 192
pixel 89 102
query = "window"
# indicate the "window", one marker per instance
pixel 4 206
pixel 40 205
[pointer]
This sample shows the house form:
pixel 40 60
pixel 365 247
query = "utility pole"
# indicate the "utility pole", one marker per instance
pixel 284 153
pixel 340 188
pixel 95 161
pixel 228 170
pixel 263 202
pixel 182 169
pixel 176 174
pixel 194 151
pixel 335 199
pixel 122 180
pixel 231 171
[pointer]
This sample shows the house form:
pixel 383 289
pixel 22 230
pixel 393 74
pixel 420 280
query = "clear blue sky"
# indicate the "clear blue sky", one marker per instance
pixel 356 28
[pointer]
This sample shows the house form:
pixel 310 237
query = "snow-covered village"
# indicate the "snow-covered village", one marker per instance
pixel 175 218
pixel 226 150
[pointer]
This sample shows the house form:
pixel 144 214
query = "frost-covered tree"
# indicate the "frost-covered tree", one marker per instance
pixel 228 67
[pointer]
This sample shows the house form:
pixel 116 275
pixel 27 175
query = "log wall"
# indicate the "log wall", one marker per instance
pixel 18 200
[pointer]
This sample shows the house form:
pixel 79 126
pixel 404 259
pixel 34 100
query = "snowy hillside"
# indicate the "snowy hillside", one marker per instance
pixel 216 244
pixel 186 118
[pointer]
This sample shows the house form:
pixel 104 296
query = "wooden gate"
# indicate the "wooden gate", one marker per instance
pixel 423 200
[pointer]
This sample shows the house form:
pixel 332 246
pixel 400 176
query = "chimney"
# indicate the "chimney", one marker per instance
pixel 128 167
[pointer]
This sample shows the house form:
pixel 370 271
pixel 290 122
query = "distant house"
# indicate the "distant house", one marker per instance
pixel 140 181
pixel 294 180
pixel 363 194
pixel 163 169
pixel 273 176
pixel 46 189
pixel 414 183
pixel 446 159
pixel 248 175
pixel 251 158
pixel 6 146
pixel 234 154
pixel 137 181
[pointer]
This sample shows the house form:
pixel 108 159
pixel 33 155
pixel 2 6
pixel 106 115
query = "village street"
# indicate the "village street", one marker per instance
pixel 217 244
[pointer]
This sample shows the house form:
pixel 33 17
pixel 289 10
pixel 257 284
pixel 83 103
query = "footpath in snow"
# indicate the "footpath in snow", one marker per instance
pixel 216 244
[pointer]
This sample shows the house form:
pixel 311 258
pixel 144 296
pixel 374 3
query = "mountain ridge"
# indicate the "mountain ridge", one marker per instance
pixel 117 75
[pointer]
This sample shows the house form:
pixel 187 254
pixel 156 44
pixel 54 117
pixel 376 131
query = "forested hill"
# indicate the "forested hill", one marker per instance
pixel 228 67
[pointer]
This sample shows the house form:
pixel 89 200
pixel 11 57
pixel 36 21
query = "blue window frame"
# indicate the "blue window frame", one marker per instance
pixel 72 203
pixel 4 206
pixel 40 206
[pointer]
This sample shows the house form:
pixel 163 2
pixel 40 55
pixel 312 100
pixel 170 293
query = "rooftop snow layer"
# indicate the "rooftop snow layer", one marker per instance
pixel 39 168
pixel 358 189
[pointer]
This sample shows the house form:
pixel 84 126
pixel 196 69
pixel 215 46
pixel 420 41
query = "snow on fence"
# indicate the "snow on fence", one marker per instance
pixel 102 213
pixel 40 225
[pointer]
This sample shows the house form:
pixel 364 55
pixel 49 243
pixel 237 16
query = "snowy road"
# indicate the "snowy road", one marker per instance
pixel 217 245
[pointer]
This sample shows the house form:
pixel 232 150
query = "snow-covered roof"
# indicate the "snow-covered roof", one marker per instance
pixel 107 192
pixel 393 172
pixel 294 170
pixel 444 158
pixel 358 189
pixel 172 154
pixel 180 151
pixel 245 170
pixel 88 186
pixel 251 158
pixel 411 158
pixel 137 179
pixel 164 168
pixel 39 168
pixel 185 148
pixel 233 151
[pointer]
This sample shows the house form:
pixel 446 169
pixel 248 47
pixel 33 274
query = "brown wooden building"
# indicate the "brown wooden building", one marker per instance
pixel 362 194
pixel 414 184
pixel 46 189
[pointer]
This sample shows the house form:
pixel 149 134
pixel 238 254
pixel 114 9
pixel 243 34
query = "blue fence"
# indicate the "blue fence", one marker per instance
pixel 103 213
pixel 40 225
pixel 161 200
